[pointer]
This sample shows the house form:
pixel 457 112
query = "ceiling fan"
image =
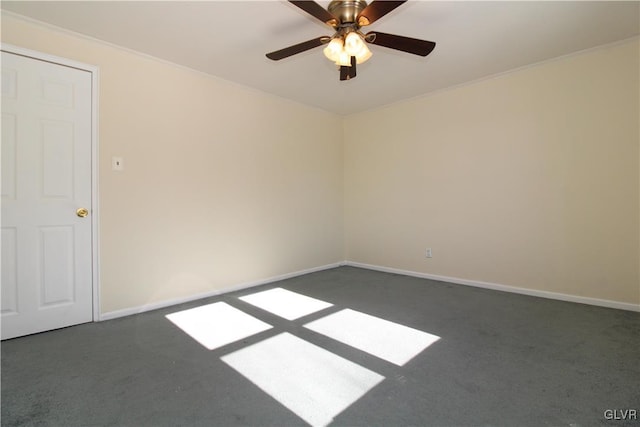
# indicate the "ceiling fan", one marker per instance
pixel 348 45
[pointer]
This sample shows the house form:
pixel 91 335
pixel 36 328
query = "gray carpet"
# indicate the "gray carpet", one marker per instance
pixel 502 360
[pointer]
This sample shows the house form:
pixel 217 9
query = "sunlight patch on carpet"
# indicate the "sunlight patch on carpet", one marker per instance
pixel 312 382
pixel 387 340
pixel 284 303
pixel 217 324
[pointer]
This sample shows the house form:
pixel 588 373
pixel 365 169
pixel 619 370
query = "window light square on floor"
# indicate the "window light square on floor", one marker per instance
pixel 387 340
pixel 218 324
pixel 285 303
pixel 312 382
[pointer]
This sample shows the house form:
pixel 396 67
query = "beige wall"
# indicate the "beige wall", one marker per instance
pixel 528 180
pixel 222 185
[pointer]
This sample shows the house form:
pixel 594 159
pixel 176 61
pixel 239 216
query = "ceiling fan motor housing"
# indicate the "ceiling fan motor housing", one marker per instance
pixel 346 10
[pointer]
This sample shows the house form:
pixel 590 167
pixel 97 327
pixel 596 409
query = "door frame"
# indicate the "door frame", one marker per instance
pixel 94 71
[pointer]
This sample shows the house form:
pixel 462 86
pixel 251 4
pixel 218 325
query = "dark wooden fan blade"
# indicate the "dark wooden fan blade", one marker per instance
pixel 376 10
pixel 352 69
pixel 344 73
pixel 347 73
pixel 317 11
pixel 297 48
pixel 405 44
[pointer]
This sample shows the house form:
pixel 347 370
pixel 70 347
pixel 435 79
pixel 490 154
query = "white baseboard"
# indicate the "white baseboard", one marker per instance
pixel 504 288
pixel 475 283
pixel 167 303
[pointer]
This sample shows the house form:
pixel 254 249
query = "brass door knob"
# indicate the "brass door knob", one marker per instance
pixel 82 212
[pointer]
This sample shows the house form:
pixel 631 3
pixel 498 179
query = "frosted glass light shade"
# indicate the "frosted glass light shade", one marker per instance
pixel 353 44
pixel 344 59
pixel 333 49
pixel 363 55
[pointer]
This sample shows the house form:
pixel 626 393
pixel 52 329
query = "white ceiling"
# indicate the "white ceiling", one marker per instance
pixel 228 39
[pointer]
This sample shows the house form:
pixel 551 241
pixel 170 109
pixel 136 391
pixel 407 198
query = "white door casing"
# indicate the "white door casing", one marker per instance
pixel 47 249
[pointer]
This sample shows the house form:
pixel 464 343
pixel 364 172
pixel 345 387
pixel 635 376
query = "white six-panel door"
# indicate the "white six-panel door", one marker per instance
pixel 46 178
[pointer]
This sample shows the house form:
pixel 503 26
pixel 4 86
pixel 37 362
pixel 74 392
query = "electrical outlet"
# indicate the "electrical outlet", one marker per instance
pixel 429 254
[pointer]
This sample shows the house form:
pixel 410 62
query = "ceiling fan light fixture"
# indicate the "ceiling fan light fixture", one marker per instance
pixel 340 49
